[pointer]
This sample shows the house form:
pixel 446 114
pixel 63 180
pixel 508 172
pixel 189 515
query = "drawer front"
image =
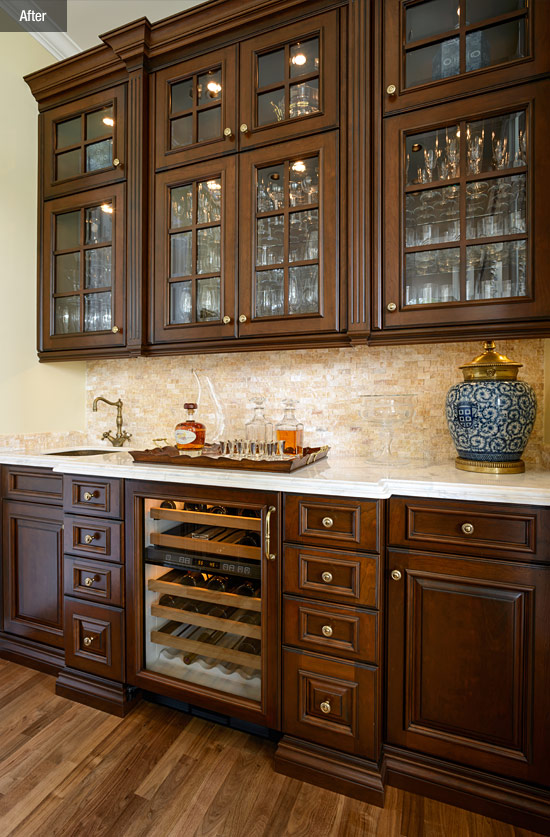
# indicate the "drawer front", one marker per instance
pixel 328 629
pixel 331 576
pixel 477 528
pixel 330 703
pixel 35 484
pixel 93 639
pixel 100 582
pixel 94 538
pixel 101 497
pixel 348 524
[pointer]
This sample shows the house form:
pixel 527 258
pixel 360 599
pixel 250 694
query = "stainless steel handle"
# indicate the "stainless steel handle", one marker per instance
pixel 396 575
pixel 327 630
pixel 468 528
pixel 226 320
pixel 327 577
pixel 327 522
pixel 325 707
pixel 90 538
pixel 88 640
pixel 268 554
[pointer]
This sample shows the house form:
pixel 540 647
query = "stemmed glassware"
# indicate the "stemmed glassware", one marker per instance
pixel 386 412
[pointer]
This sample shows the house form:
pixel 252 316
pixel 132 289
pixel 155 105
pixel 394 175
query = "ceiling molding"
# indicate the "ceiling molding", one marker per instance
pixel 59 44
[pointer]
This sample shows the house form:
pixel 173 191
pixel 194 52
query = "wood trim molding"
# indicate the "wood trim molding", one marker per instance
pixel 107 695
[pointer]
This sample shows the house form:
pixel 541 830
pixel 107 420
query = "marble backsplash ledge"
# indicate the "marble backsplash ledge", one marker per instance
pixel 326 383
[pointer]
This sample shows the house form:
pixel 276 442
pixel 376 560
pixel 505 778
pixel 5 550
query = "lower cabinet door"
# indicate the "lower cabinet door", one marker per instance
pixel 468 662
pixel 33 572
pixel 94 639
pixel 330 702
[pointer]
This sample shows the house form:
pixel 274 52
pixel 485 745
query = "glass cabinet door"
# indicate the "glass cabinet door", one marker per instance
pixel 196 109
pixel 466 213
pixel 83 299
pixel 288 238
pixel 433 47
pixel 194 293
pixel 289 81
pixel 85 144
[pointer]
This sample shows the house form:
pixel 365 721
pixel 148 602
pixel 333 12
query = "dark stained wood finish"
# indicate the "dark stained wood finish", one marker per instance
pixel 500 531
pixel 354 577
pixel 107 496
pixel 97 692
pixel 94 538
pixel 94 639
pixel 33 572
pixel 468 661
pixel 354 632
pixel 40 485
pixel 100 582
pixel 347 690
pixel 355 523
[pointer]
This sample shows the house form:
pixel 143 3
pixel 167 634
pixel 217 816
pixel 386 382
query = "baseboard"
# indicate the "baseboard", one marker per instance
pixel 329 769
pixel 522 805
pixel 27 652
pixel 114 698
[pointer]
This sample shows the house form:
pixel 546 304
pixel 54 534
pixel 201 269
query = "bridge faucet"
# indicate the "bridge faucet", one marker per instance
pixel 121 435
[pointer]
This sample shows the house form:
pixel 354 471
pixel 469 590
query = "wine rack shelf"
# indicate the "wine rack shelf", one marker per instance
pixel 230 521
pixel 202 594
pixel 210 545
pixel 229 626
pixel 205 649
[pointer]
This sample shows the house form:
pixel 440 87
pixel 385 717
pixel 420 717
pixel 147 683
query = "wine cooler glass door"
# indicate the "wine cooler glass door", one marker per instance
pixel 203 595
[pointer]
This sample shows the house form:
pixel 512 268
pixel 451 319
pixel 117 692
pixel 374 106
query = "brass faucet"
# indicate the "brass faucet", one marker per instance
pixel 121 435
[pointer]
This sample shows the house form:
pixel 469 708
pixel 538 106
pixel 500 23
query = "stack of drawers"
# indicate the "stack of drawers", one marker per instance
pixel 93 576
pixel 331 642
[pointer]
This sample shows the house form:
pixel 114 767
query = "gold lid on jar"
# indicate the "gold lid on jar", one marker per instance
pixel 491 366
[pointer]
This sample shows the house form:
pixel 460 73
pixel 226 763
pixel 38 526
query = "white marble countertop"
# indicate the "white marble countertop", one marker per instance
pixel 334 476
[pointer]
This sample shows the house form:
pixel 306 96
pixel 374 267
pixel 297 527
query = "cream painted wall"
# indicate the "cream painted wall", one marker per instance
pixel 35 398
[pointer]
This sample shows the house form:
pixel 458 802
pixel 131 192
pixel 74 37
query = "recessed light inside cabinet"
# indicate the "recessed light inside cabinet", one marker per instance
pixel 299 165
pixel 213 88
pixel 299 59
pixel 213 185
pixel 107 207
pixel 108 120
pixel 416 147
pixel 274 176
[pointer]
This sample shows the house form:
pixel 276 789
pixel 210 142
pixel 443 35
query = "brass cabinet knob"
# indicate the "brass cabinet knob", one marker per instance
pixel 244 128
pixel 88 581
pixel 327 522
pixel 89 538
pixel 88 640
pixel 327 630
pixel 325 707
pixel 88 496
pixel 116 162
pixel 327 577
pixel 242 318
pixel 396 575
pixel 226 320
pixel 391 306
pixel 468 528
pixel 227 132
pixel 391 89
pixel 115 329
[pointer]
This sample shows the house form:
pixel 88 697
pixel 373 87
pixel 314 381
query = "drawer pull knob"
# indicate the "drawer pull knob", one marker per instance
pixel 468 528
pixel 327 630
pixel 391 306
pixel 244 128
pixel 327 522
pixel 88 640
pixel 325 707
pixel 228 132
pixel 90 538
pixel 391 89
pixel 88 581
pixel 396 575
pixel 327 577
pixel 89 496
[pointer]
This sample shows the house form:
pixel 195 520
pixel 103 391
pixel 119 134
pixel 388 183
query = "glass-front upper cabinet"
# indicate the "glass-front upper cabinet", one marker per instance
pixel 196 109
pixel 288 263
pixel 289 81
pixel 84 143
pixel 83 270
pixel 462 190
pixel 195 247
pixel 433 48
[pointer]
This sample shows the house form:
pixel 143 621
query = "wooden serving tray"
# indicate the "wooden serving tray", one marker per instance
pixel 172 456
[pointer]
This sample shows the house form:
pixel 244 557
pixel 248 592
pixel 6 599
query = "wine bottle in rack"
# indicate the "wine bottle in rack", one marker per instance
pixel 251 619
pixel 219 612
pixel 248 588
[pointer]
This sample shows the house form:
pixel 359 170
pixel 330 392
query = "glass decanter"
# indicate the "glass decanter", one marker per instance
pixel 387 411
pixel 259 428
pixel 290 430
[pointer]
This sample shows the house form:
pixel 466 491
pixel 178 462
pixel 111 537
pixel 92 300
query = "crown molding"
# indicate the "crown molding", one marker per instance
pixel 58 44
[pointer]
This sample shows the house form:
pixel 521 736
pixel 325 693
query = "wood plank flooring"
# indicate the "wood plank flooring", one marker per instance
pixel 70 771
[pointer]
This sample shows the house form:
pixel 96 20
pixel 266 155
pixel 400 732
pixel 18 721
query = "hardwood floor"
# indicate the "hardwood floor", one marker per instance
pixel 70 771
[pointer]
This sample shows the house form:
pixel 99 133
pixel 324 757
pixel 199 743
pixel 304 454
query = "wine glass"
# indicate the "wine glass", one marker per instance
pixel 386 412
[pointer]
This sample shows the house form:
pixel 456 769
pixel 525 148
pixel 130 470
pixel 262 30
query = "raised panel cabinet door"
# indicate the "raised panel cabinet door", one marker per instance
pixel 33 572
pixel 438 49
pixel 468 658
pixel 84 143
pixel 196 109
pixel 289 81
pixel 465 186
pixel 289 238
pixel 195 252
pixel 83 271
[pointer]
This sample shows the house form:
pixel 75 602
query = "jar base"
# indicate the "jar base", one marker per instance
pixel 517 467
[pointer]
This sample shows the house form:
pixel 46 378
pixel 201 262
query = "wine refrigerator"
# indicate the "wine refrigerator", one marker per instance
pixel 205 572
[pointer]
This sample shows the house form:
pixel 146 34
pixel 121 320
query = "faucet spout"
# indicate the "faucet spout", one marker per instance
pixel 121 435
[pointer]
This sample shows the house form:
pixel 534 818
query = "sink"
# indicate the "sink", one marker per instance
pixel 84 452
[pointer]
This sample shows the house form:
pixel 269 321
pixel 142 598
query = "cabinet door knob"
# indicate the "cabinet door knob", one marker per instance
pixel 244 128
pixel 89 538
pixel 115 329
pixel 468 528
pixel 325 707
pixel 242 318
pixel 88 640
pixel 327 630
pixel 327 577
pixel 227 132
pixel 396 575
pixel 391 306
pixel 88 496
pixel 88 581
pixel 391 89
pixel 327 522
pixel 226 320
pixel 116 162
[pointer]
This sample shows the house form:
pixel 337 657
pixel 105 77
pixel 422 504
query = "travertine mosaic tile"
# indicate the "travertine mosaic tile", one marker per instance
pixel 326 383
pixel 37 442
